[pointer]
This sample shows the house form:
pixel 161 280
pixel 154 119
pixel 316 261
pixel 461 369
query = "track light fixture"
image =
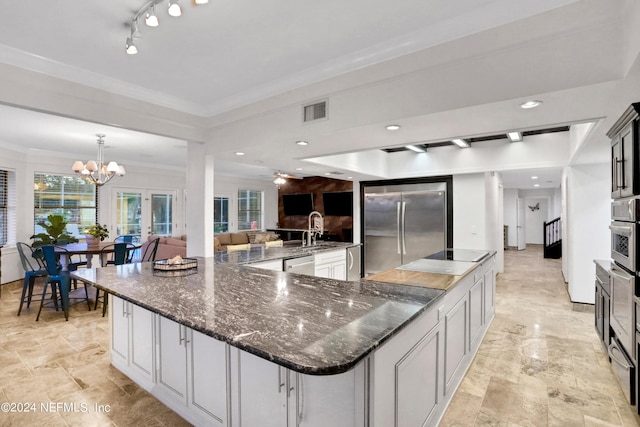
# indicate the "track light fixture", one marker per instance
pixel 148 11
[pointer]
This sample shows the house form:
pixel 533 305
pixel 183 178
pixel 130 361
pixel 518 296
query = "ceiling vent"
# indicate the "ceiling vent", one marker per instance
pixel 316 111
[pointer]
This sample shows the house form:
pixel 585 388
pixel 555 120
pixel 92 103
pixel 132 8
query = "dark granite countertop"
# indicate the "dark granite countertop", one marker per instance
pixel 308 324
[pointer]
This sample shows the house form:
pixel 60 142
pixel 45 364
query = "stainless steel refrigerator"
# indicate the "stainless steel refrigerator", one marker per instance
pixel 403 223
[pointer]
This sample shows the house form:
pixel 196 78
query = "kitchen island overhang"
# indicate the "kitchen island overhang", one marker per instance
pixel 308 324
pixel 390 353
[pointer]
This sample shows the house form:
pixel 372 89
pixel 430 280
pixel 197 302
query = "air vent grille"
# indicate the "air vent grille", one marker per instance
pixel 315 111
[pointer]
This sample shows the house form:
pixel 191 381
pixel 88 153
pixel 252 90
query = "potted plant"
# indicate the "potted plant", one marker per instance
pixel 96 234
pixel 54 232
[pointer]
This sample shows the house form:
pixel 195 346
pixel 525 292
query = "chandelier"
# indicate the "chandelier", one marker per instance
pixel 98 171
pixel 148 11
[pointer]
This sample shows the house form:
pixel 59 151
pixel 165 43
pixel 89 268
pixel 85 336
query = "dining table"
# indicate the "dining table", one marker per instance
pixel 102 249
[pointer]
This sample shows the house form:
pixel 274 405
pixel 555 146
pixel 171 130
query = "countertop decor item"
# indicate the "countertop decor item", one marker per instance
pixel 176 263
pixel 96 234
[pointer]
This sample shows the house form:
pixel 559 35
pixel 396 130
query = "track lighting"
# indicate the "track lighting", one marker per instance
pixel 460 143
pixel 174 8
pixel 130 47
pixel 151 19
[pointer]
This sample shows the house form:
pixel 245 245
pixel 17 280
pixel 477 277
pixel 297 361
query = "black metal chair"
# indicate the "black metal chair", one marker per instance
pixel 60 282
pixel 33 268
pixel 148 250
pixel 119 255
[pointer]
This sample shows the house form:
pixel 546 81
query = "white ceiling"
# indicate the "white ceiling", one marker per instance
pixel 441 68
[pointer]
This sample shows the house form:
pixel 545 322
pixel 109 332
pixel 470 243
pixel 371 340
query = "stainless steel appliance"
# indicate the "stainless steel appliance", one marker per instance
pixel 624 369
pixel 622 309
pixel 353 263
pixel 623 244
pixel 302 265
pixel 403 223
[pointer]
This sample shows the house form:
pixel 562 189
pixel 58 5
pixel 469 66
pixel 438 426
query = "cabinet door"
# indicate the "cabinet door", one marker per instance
pixel 323 270
pixel 616 167
pixel 628 186
pixel 208 372
pixel 119 328
pixel 262 391
pixel 476 311
pixel 455 344
pixel 339 270
pixel 172 358
pixel 489 294
pixel 417 375
pixel 142 342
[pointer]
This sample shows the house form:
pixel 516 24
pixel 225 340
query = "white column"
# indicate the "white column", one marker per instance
pixel 199 201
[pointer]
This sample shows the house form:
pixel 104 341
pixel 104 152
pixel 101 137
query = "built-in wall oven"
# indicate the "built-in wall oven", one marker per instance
pixel 622 310
pixel 624 238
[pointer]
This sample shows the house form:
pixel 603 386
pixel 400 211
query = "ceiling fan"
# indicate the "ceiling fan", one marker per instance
pixel 280 178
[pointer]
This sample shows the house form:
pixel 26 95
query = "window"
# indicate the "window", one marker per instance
pixel 220 215
pixel 70 196
pixel 249 210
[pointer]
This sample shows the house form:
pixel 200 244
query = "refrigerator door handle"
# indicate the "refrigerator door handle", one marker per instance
pixel 398 224
pixel 404 246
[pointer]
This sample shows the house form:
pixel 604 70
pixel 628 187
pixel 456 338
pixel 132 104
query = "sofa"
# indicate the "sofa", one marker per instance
pixel 222 240
pixel 168 247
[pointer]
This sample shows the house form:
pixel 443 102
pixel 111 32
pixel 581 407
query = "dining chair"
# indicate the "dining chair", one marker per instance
pixel 148 250
pixel 127 238
pixel 60 282
pixel 32 270
pixel 119 255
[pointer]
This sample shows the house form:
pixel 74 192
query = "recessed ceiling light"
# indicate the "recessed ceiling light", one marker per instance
pixel 460 143
pixel 393 127
pixel 515 136
pixel 298 169
pixel 536 185
pixel 327 173
pixel 534 177
pixel 530 104
pixel 349 177
pixel 416 148
pixel 239 153
pixel 302 143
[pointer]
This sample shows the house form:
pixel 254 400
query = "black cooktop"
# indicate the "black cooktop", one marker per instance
pixel 471 255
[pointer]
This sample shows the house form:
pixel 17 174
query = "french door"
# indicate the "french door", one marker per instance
pixel 143 213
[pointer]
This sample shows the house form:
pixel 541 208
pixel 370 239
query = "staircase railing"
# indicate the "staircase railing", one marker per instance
pixel 553 238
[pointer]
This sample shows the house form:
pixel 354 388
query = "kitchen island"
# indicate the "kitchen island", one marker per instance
pixel 231 344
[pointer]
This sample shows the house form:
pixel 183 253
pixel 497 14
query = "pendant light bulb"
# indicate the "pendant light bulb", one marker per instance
pixel 174 8
pixel 150 17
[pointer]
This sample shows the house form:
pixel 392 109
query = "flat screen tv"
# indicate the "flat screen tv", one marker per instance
pixel 297 204
pixel 338 203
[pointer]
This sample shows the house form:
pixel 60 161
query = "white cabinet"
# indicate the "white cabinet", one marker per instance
pixel 455 344
pixel 476 312
pixel 273 396
pixel 489 292
pixel 275 265
pixel 331 264
pixel 192 373
pixel 132 340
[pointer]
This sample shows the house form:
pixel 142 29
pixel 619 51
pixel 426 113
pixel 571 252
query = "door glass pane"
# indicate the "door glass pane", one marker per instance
pixel 220 215
pixel 129 214
pixel 161 214
pixel 249 210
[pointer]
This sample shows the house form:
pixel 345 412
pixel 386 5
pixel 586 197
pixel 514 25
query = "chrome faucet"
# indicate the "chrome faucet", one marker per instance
pixel 316 228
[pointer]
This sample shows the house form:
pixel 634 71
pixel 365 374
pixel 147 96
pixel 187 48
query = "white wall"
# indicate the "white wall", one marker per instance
pixel 494 217
pixel 510 215
pixel 588 216
pixel 469 211
pixel 535 219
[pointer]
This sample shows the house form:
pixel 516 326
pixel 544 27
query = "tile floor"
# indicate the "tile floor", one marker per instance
pixel 540 364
